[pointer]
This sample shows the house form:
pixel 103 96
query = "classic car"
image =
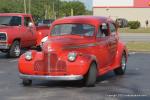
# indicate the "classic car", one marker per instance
pixel 78 48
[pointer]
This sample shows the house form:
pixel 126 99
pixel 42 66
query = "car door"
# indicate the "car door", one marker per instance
pixel 29 32
pixel 113 40
pixel 103 49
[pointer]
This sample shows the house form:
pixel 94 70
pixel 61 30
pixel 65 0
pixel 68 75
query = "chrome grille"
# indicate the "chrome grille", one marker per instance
pixel 54 65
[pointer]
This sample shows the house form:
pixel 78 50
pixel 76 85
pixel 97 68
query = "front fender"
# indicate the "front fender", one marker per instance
pixel 26 67
pixel 81 64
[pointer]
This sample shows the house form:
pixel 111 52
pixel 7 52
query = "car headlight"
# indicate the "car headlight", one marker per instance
pixel 43 40
pixel 72 56
pixel 28 55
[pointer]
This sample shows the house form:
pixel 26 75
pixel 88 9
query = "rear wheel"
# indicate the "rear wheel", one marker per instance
pixel 15 50
pixel 90 77
pixel 26 82
pixel 121 70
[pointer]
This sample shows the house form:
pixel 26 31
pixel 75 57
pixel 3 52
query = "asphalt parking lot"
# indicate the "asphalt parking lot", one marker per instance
pixel 134 85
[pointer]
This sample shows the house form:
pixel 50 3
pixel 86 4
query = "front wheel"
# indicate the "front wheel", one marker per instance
pixel 15 50
pixel 26 82
pixel 90 77
pixel 121 70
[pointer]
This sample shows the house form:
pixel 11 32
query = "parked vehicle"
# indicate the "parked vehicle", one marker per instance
pixel 46 22
pixel 78 48
pixel 122 23
pixel 18 31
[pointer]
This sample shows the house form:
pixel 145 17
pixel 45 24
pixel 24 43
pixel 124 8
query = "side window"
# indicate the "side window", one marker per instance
pixel 27 20
pixel 103 30
pixel 112 28
pixel 15 21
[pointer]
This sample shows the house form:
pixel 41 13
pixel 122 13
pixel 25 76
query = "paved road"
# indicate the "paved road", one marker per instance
pixel 126 37
pixel 134 85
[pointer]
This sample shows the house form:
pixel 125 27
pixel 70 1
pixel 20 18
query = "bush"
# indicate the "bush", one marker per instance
pixel 134 24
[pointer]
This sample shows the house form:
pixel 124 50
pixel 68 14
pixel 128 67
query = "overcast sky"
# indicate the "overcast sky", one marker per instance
pixel 88 3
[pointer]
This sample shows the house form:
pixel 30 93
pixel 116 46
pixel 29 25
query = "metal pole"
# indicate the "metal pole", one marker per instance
pixel 58 7
pixel 29 6
pixel 25 8
pixel 72 12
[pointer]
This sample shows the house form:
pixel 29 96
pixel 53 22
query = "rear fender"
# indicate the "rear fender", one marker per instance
pixel 42 32
pixel 121 48
pixel 38 38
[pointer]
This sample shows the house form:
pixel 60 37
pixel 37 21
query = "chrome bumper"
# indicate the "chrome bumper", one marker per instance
pixel 4 46
pixel 54 78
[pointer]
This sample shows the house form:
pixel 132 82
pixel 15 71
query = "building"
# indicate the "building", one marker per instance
pixel 132 10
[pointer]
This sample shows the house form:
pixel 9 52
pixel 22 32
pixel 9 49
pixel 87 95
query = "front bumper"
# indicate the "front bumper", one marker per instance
pixel 54 78
pixel 4 46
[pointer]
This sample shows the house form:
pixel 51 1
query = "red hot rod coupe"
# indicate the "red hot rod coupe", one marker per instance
pixel 78 48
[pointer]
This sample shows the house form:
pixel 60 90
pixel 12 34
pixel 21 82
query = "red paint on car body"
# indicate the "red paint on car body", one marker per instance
pixel 105 51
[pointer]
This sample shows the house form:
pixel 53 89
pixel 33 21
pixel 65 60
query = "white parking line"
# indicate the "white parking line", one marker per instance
pixel 132 53
pixel 15 60
pixel 105 81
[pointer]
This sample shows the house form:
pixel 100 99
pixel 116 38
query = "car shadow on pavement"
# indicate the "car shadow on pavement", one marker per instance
pixel 101 80
pixel 69 84
pixel 6 56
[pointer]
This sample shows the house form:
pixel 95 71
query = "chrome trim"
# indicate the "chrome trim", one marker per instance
pixel 54 78
pixel 4 46
pixel 81 46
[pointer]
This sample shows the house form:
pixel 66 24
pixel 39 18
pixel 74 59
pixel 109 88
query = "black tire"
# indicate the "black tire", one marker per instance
pixel 91 76
pixel 15 49
pixel 39 48
pixel 121 70
pixel 26 82
pixel 4 51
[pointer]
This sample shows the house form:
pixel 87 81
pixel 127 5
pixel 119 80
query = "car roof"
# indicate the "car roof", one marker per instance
pixel 14 14
pixel 93 20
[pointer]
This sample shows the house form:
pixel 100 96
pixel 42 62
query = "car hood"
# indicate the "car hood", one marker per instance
pixel 65 42
pixel 5 28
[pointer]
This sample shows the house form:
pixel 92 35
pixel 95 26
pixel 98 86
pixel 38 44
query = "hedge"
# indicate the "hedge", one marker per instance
pixel 134 24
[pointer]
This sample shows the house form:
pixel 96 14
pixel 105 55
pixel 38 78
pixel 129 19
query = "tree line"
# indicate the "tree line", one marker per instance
pixel 44 9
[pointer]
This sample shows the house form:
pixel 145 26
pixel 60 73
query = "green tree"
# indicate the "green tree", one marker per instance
pixel 77 7
pixel 44 9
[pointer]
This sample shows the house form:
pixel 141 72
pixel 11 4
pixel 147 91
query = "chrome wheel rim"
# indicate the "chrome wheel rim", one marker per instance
pixel 17 50
pixel 123 63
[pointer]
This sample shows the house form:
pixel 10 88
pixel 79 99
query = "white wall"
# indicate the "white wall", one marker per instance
pixel 131 14
pixel 97 3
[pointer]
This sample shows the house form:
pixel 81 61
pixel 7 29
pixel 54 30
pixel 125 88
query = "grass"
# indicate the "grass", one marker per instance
pixel 139 30
pixel 138 46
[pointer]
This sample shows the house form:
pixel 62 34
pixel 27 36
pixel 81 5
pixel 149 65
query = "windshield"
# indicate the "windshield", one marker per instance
pixel 10 20
pixel 73 29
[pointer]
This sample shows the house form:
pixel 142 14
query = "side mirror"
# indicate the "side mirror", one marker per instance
pixel 30 24
pixel 104 26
